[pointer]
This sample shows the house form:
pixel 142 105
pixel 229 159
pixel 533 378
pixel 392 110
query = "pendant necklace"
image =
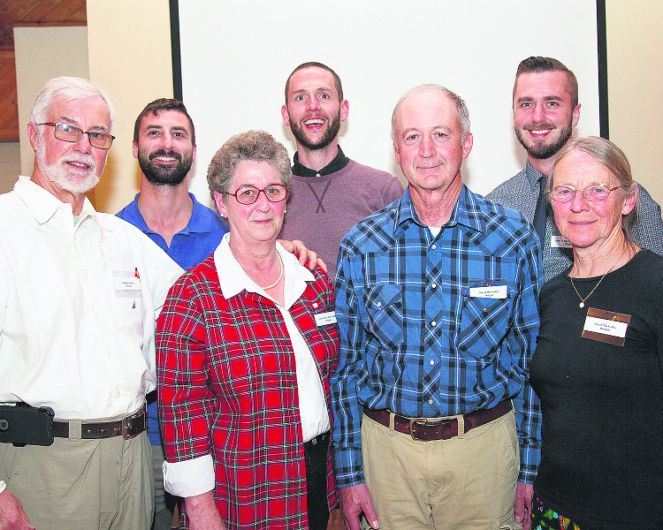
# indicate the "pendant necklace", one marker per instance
pixel 272 285
pixel 583 300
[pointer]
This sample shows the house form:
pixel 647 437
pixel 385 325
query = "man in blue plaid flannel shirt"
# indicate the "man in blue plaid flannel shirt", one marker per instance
pixel 435 424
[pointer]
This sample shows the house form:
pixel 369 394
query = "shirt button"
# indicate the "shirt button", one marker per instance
pixel 432 362
pixel 433 323
pixel 430 401
pixel 379 304
pixel 433 247
pixel 433 285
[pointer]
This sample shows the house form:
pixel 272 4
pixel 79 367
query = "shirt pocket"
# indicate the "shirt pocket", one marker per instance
pixel 128 303
pixel 484 321
pixel 384 313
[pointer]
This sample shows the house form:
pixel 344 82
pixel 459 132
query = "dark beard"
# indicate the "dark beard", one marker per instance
pixel 543 152
pixel 330 134
pixel 162 176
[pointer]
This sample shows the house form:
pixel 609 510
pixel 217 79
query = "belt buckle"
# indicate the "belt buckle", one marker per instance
pixel 417 421
pixel 126 435
pixel 424 422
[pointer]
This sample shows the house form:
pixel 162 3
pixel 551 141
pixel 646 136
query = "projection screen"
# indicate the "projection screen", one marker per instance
pixel 232 57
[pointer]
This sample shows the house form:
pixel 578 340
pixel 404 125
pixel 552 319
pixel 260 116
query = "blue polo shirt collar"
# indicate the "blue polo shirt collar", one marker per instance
pixel 199 222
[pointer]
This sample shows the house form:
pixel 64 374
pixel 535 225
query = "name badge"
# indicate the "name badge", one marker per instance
pixel 324 319
pixel 560 242
pixel 606 326
pixel 494 291
pixel 127 283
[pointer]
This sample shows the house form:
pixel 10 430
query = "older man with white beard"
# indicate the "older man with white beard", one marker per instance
pixel 79 293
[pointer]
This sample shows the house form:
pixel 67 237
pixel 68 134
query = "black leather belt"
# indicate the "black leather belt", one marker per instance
pixel 128 427
pixel 430 429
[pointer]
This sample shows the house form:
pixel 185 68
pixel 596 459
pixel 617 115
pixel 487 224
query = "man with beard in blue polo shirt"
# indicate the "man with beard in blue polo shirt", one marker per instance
pixel 165 146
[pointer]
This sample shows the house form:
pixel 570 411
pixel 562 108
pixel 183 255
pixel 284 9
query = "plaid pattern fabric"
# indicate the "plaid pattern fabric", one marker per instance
pixel 228 388
pixel 413 339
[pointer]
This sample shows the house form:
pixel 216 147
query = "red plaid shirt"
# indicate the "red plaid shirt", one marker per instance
pixel 228 387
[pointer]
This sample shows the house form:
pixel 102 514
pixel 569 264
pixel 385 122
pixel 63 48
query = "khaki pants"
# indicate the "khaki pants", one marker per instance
pixel 82 484
pixel 466 482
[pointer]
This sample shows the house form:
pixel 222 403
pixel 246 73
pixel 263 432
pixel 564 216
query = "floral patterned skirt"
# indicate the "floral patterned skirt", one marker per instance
pixel 545 518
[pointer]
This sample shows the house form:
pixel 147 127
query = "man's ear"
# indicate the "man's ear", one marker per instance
pixel 33 135
pixel 396 153
pixel 345 109
pixel 467 145
pixel 285 115
pixel 576 115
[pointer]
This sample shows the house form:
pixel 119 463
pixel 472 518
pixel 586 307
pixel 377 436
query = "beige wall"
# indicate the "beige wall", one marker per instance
pixel 10 165
pixel 129 56
pixel 635 85
pixel 41 54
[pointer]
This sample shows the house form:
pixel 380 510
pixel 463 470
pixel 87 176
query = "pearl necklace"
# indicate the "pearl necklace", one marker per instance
pixel 272 285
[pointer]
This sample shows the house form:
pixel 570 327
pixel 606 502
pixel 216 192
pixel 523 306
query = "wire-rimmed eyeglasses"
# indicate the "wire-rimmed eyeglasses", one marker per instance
pixel 249 194
pixel 70 133
pixel 592 193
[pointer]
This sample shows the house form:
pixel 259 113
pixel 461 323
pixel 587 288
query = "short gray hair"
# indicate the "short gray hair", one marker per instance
pixel 259 146
pixel 461 107
pixel 69 89
pixel 614 160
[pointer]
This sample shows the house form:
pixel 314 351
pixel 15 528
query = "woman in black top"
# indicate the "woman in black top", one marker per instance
pixel 597 367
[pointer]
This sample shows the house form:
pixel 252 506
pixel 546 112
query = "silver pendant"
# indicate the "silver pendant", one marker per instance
pixel 581 305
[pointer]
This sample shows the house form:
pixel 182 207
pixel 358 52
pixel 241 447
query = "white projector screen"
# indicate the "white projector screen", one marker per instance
pixel 235 56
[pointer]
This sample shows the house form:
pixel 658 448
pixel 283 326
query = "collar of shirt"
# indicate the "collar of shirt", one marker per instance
pixel 465 213
pixel 43 205
pixel 233 279
pixel 198 223
pixel 533 177
pixel 339 162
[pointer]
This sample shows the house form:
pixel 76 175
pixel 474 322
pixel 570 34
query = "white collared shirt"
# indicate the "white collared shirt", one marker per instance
pixel 196 476
pixel 78 303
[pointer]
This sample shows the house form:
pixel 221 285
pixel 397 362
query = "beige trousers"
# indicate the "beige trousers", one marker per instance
pixel 82 484
pixel 464 483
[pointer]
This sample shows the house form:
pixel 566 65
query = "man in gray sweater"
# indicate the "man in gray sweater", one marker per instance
pixel 330 192
pixel 545 110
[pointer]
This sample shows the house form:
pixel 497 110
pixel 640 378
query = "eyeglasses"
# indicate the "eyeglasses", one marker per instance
pixel 249 194
pixel 70 133
pixel 593 193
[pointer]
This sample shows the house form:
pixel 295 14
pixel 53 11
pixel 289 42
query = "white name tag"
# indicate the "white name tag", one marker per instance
pixel 560 242
pixel 127 283
pixel 494 291
pixel 324 319
pixel 606 327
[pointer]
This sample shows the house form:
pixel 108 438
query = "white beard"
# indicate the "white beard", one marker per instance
pixel 57 172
